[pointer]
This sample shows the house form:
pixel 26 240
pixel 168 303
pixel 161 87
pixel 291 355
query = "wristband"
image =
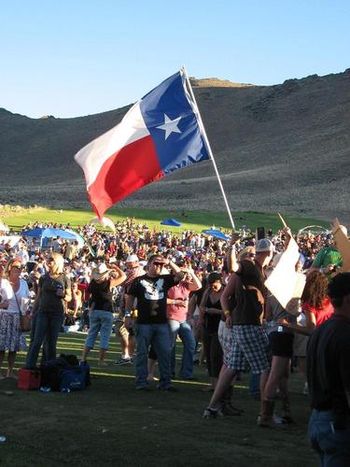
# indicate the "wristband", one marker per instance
pixel 127 314
pixel 227 313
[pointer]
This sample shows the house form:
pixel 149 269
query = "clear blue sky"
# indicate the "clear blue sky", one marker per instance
pixel 71 58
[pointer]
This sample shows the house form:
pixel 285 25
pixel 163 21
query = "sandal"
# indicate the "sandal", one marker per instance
pixel 212 413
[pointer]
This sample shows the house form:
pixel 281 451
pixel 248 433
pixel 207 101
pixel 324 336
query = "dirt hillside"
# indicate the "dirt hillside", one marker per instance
pixel 283 147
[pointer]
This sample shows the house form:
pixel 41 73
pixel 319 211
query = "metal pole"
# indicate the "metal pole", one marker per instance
pixel 201 125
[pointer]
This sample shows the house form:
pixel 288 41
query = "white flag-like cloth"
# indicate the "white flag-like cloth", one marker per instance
pixel 343 244
pixel 284 282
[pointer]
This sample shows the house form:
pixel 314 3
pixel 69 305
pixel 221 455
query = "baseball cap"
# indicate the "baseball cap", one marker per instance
pixel 264 244
pixel 131 259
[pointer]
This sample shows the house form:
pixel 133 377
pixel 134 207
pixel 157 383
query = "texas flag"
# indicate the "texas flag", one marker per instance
pixel 161 133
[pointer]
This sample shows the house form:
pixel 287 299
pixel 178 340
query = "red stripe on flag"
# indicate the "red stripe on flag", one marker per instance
pixel 129 169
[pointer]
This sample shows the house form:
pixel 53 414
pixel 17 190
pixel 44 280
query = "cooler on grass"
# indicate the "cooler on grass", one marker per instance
pixel 28 379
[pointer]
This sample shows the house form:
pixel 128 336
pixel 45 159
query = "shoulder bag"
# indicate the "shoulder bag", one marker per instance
pixel 25 321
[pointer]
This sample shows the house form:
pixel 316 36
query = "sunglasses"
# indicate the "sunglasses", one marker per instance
pixel 17 267
pixel 156 263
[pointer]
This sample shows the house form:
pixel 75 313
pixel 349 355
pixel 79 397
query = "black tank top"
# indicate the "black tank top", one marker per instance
pixel 249 296
pixel 101 295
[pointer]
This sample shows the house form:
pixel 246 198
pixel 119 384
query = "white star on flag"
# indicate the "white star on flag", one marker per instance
pixel 170 126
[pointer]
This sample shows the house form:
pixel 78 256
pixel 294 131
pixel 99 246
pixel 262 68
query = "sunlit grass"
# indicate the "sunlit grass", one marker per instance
pixel 191 220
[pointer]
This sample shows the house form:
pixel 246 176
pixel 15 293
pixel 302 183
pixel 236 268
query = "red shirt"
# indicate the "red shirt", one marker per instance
pixel 83 286
pixel 176 312
pixel 322 313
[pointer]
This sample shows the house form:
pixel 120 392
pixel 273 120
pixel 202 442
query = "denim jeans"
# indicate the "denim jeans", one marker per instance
pixel 47 326
pixel 332 445
pixel 183 329
pixel 100 322
pixel 159 336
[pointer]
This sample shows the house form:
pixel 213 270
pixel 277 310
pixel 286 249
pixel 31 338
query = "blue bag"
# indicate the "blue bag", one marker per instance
pixel 75 379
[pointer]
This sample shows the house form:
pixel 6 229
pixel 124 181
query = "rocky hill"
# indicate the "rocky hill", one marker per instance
pixel 284 147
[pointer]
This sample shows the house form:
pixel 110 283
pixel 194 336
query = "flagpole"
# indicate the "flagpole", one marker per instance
pixel 206 140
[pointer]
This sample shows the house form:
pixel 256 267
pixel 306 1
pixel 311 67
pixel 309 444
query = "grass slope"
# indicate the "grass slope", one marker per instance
pixel 113 424
pixel 192 220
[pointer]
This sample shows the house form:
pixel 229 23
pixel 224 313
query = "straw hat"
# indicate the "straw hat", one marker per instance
pixel 99 272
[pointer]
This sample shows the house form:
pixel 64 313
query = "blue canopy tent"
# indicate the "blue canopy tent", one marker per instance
pixel 42 233
pixel 216 234
pixel 171 222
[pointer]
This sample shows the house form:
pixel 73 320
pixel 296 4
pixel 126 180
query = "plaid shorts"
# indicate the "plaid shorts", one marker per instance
pixel 226 342
pixel 250 345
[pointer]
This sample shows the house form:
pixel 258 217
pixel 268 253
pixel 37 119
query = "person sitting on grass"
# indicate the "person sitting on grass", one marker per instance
pixel 75 305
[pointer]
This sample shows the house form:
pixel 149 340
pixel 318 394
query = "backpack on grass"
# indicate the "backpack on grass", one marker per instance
pixel 65 373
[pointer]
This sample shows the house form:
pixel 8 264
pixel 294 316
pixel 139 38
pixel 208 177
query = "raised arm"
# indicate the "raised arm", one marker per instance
pixel 194 283
pixel 117 276
pixel 231 257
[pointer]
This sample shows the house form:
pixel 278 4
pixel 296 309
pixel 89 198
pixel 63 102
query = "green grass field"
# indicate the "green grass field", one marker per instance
pixel 112 424
pixel 191 220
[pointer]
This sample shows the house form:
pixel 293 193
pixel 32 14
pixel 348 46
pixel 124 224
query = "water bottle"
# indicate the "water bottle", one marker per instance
pixel 59 290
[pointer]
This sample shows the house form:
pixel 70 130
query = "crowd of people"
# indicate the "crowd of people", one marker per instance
pixel 154 286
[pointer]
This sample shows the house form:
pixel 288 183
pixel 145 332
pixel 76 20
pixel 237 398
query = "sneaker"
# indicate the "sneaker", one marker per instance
pixel 212 413
pixel 123 361
pixel 271 422
pixel 287 419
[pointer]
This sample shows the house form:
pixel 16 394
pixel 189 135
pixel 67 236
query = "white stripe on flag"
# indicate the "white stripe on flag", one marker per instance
pixel 92 156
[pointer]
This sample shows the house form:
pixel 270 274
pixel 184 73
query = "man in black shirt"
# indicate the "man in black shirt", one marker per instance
pixel 152 324
pixel 328 374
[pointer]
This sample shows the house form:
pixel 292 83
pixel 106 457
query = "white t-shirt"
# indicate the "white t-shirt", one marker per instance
pixel 22 295
pixel 5 289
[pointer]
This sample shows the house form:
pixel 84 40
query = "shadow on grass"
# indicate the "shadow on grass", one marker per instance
pixel 113 424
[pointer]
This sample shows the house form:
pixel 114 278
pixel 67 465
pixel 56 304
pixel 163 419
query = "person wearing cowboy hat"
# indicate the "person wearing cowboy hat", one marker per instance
pixel 127 335
pixel 103 280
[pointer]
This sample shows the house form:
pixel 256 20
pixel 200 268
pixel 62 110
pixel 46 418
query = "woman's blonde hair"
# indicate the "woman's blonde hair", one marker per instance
pixel 247 251
pixel 10 264
pixel 58 266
